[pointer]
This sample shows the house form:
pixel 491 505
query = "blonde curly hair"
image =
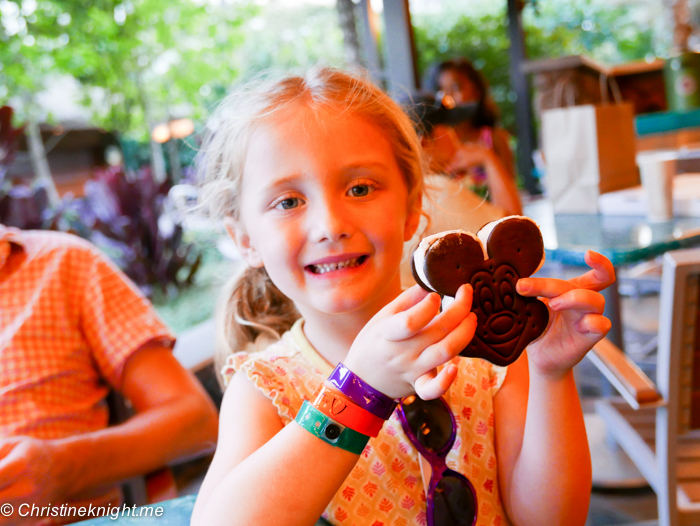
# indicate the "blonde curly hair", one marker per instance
pixel 250 304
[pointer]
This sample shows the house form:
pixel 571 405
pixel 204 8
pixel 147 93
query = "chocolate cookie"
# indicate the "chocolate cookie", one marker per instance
pixel 493 261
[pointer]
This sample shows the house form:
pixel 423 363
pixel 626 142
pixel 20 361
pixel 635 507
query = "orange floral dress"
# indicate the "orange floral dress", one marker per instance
pixel 385 487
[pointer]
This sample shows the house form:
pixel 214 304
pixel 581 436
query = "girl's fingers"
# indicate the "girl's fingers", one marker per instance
pixel 450 346
pixel 594 324
pixel 433 385
pixel 407 299
pixel 543 287
pixel 407 323
pixel 601 275
pixel 450 318
pixel 579 300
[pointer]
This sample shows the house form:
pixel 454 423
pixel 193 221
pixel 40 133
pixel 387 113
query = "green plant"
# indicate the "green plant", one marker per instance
pixel 553 28
pixel 126 214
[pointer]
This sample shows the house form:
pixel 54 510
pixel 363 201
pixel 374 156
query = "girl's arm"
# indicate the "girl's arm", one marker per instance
pixel 543 456
pixel 264 473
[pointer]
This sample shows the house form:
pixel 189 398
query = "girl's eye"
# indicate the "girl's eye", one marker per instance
pixel 361 190
pixel 289 203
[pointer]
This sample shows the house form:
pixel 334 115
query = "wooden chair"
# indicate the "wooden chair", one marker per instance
pixel 659 427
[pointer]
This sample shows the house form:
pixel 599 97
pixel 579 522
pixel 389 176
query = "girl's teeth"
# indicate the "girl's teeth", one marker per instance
pixel 322 269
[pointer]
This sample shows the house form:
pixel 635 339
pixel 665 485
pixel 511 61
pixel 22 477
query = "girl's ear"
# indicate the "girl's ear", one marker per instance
pixel 413 218
pixel 242 241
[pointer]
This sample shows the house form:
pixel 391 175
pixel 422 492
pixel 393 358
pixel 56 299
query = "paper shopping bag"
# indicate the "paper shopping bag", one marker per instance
pixel 588 151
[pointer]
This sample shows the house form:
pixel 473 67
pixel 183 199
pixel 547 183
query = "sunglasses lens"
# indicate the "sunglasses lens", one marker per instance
pixel 454 503
pixel 430 421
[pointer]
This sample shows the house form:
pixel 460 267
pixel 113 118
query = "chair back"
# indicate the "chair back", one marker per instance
pixel 678 380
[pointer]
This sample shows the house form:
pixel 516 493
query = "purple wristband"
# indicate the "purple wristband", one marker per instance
pixel 361 392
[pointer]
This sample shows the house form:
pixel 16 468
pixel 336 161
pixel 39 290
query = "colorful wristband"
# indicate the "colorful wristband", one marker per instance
pixel 330 431
pixel 360 392
pixel 339 407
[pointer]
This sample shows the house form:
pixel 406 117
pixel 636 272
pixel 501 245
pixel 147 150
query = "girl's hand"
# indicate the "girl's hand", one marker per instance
pixel 400 348
pixel 576 322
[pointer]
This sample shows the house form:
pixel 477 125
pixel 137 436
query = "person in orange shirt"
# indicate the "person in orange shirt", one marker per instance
pixel 72 327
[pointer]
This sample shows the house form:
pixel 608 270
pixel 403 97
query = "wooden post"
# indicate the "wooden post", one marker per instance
pixel 174 158
pixel 399 48
pixel 370 54
pixel 40 165
pixel 351 44
pixel 527 141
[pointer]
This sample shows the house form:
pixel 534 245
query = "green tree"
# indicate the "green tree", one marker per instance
pixel 25 67
pixel 139 61
pixel 554 28
pixel 290 38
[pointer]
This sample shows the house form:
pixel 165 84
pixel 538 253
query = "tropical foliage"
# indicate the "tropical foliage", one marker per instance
pixel 140 62
pixel 128 215
pixel 554 28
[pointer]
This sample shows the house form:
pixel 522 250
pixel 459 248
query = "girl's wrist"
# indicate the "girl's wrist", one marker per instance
pixel 360 392
pixel 549 374
pixel 335 404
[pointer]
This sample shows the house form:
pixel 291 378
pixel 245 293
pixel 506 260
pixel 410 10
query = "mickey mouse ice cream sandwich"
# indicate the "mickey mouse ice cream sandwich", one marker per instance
pixel 493 261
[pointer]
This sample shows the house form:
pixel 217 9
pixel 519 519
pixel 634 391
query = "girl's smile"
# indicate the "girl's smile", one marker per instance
pixel 324 208
pixel 345 262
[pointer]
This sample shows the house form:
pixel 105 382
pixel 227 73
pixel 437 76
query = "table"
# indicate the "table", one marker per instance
pixel 622 239
pixel 175 512
pixel 633 201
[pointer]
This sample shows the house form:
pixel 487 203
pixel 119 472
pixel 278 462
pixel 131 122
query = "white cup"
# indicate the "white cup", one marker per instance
pixel 657 170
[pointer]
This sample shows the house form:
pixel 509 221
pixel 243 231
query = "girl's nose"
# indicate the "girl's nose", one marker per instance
pixel 329 222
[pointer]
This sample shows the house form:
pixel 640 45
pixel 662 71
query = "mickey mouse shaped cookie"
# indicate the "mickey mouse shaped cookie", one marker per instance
pixel 493 261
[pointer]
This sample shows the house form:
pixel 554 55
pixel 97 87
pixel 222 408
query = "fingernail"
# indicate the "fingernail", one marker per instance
pixel 554 304
pixel 523 285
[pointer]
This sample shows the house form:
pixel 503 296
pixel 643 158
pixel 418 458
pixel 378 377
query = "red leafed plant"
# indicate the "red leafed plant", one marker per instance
pixel 126 212
pixel 20 205
pixel 9 139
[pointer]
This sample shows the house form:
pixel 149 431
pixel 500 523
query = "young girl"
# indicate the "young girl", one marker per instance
pixel 319 181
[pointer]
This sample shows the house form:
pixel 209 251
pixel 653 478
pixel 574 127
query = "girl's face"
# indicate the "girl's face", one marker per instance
pixel 458 86
pixel 324 208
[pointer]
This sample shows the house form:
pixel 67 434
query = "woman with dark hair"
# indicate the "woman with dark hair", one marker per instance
pixel 480 149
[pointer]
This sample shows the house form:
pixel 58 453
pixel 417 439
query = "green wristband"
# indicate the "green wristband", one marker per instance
pixel 330 431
